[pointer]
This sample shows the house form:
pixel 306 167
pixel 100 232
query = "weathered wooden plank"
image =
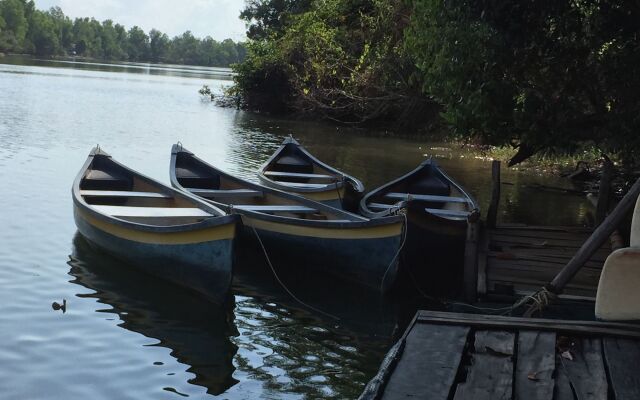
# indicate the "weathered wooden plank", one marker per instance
pixel 562 389
pixel 541 257
pixel 517 226
pixel 598 256
pixel 588 328
pixel 586 371
pixel 537 266
pixel 536 242
pixel 622 357
pixel 535 365
pixel 490 375
pixel 528 277
pixel 429 363
pixel 536 233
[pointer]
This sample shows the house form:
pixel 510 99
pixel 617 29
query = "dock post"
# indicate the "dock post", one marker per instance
pixel 492 213
pixel 604 192
pixel 470 273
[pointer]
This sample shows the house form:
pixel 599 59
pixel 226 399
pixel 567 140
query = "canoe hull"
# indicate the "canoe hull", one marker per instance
pixel 363 256
pixel 204 266
pixel 433 255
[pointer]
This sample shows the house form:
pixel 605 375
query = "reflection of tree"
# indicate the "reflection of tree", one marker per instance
pixel 196 331
pixel 298 351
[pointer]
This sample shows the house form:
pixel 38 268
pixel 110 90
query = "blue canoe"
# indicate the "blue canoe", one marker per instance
pixel 153 227
pixel 297 231
pixel 293 169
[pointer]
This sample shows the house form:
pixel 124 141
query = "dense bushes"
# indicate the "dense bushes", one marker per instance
pixel 24 29
pixel 540 76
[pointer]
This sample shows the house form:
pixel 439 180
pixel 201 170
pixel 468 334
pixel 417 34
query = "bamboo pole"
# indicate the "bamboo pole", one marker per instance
pixel 596 240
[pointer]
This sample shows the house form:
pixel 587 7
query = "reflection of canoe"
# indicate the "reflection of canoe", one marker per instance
pixel 156 228
pixel 196 332
pixel 296 230
pixel 437 211
pixel 293 169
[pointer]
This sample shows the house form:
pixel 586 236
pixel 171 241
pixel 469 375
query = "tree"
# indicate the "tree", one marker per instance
pixel 43 34
pixel 13 14
pixel 538 76
pixel 158 45
pixel 138 44
pixel 267 18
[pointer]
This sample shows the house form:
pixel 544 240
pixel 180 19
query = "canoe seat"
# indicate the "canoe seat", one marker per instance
pixel 430 184
pixel 226 193
pixel 196 178
pixel 151 212
pixel 297 175
pixel 426 197
pixel 275 208
pixel 293 163
pixel 97 179
pixel 123 193
pixel 307 185
pixel 447 213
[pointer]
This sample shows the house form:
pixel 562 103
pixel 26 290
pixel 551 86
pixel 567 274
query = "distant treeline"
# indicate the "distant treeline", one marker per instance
pixel 25 29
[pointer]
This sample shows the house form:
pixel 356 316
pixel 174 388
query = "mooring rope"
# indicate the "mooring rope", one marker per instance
pixel 404 239
pixel 264 250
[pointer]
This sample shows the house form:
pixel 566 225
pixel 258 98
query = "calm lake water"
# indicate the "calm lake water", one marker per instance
pixel 127 336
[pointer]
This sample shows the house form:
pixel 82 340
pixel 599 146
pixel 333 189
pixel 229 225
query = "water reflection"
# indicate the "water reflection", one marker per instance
pixel 328 347
pixel 185 71
pixel 197 333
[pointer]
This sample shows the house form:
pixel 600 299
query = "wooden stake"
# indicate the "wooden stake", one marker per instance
pixel 492 213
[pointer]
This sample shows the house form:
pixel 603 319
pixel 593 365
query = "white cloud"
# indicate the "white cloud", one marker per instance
pixel 215 18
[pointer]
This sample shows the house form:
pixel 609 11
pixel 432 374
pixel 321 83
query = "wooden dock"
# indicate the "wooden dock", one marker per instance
pixel 446 356
pixel 518 260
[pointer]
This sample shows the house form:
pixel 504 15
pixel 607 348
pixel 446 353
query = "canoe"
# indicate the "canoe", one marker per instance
pixel 153 227
pixel 293 169
pixel 296 231
pixel 437 209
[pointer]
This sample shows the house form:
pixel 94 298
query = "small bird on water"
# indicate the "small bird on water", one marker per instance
pixel 57 306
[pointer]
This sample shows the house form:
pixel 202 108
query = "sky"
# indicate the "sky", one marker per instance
pixel 215 18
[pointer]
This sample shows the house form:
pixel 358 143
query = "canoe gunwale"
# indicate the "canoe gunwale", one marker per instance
pixel 355 221
pixel 355 183
pixel 218 216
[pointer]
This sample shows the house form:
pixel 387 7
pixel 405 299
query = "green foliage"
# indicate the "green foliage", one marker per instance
pixel 24 29
pixel 535 75
pixel 268 18
pixel 538 76
pixel 342 59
